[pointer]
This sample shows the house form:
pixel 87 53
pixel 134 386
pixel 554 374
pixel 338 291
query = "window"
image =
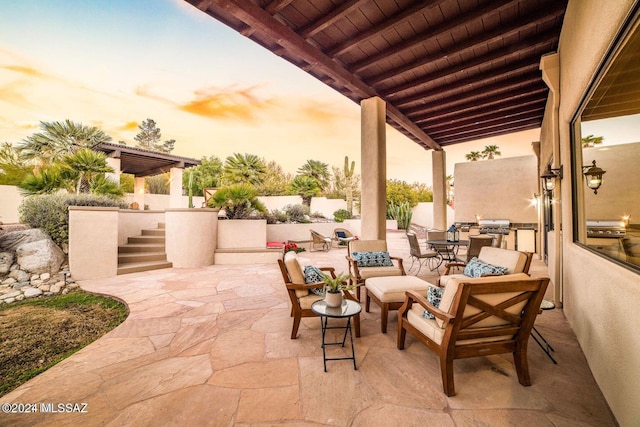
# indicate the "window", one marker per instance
pixel 607 130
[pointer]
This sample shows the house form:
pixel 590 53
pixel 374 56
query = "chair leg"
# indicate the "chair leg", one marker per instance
pixel 446 369
pixel 367 300
pixel 384 316
pixel 522 365
pixel 296 325
pixel 402 333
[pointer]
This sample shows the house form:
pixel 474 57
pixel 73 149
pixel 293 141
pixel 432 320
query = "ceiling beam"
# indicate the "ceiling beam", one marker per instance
pixel 472 43
pixel 276 6
pixel 495 103
pixel 528 65
pixel 489 126
pixel 491 8
pixel 263 23
pixel 484 91
pixel 386 25
pixel 482 135
pixel 504 114
pixel 519 49
pixel 329 19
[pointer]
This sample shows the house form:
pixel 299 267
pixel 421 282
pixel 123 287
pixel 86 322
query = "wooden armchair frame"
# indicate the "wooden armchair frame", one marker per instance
pixel 297 312
pixel 511 335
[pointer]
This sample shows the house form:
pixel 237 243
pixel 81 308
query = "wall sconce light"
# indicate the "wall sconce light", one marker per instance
pixel 593 174
pixel 549 177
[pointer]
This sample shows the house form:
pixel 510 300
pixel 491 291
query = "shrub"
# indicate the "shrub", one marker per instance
pixel 50 211
pixel 341 214
pixel 297 213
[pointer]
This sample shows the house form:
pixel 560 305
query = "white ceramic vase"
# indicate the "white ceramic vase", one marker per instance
pixel 333 299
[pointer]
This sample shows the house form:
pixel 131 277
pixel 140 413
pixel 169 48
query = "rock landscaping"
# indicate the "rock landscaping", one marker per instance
pixel 31 265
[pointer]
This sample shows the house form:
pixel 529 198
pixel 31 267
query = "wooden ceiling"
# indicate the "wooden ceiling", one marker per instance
pixel 450 71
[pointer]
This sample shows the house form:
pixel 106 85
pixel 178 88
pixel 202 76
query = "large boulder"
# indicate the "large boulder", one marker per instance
pixel 9 242
pixel 42 256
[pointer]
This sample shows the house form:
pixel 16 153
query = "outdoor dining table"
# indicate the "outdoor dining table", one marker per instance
pixel 447 250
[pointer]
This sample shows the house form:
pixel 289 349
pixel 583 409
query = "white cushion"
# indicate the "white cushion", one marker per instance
pixel 393 289
pixel 428 327
pixel 367 272
pixel 306 301
pixel 445 279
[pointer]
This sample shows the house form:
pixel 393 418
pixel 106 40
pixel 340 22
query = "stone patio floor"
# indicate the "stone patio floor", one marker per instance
pixel 211 347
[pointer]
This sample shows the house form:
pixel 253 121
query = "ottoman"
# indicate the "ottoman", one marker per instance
pixel 389 292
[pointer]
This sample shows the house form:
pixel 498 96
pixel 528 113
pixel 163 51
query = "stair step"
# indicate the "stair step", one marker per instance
pixel 137 267
pixel 141 248
pixel 127 258
pixel 146 239
pixel 154 232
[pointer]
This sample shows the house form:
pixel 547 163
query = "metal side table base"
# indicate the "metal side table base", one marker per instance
pixel 537 336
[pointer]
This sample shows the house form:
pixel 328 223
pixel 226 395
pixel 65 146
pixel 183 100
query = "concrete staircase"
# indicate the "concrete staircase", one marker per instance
pixel 143 253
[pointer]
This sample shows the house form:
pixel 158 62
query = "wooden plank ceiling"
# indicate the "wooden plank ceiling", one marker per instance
pixel 450 71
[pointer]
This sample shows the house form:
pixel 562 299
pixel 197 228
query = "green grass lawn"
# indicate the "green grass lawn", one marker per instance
pixel 36 334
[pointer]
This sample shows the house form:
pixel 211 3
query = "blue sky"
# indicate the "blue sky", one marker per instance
pixel 114 63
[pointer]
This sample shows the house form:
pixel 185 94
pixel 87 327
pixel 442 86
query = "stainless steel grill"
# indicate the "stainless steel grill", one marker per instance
pixel 606 229
pixel 494 226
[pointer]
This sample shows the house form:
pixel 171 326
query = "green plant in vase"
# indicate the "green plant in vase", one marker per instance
pixel 333 287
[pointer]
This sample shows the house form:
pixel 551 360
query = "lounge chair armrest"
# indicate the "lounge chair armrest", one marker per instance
pixel 331 270
pixel 452 264
pixel 399 260
pixel 353 267
pixel 416 297
pixel 307 286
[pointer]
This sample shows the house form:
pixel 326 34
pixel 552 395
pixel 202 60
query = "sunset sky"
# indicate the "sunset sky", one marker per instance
pixel 115 63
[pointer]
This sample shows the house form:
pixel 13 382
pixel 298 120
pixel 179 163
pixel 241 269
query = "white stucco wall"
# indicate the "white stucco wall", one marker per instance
pixel 601 299
pixel 497 189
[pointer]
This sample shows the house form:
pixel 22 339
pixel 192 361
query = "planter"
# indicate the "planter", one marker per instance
pixel 333 299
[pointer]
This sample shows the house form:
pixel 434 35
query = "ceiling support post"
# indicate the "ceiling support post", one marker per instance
pixel 374 169
pixel 439 167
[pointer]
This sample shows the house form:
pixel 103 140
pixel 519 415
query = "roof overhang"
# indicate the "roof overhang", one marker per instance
pixel 141 163
pixel 450 71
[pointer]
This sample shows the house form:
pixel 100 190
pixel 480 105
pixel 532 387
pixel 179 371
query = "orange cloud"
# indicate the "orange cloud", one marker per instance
pixel 129 126
pixel 231 103
pixel 31 72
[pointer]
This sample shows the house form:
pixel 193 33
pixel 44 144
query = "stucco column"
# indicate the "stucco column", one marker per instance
pixel 175 188
pixel 374 169
pixel 550 67
pixel 138 192
pixel 439 167
pixel 115 164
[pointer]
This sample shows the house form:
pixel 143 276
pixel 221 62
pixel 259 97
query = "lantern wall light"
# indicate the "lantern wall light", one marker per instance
pixel 549 177
pixel 593 174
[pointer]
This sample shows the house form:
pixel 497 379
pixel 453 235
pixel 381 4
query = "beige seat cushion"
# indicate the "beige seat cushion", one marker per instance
pixel 368 272
pixel 295 272
pixel 514 261
pixel 445 279
pixel 392 289
pixel 306 301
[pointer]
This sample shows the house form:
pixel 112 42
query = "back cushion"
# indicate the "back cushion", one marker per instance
pixel 372 259
pixel 454 283
pixel 513 260
pixel 367 246
pixel 295 272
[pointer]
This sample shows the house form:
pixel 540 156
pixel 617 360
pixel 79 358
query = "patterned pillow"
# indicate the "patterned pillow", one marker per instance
pixel 372 259
pixel 314 275
pixel 434 295
pixel 341 234
pixel 477 268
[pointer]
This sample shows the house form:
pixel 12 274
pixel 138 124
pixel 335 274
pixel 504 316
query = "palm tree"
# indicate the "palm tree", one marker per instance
pixel 306 187
pixel 317 170
pixel 83 167
pixel 247 168
pixel 47 180
pixel 473 156
pixel 238 201
pixel 58 139
pixel 490 151
pixel 590 141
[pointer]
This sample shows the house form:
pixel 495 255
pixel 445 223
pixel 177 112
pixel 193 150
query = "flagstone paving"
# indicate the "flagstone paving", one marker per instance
pixel 211 346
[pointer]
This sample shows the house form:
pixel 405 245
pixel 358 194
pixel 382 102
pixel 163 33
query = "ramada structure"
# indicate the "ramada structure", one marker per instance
pixel 449 71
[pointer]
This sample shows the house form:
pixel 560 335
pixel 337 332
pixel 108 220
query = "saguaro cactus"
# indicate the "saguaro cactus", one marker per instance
pixel 348 182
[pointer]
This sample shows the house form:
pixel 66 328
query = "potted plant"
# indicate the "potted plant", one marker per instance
pixel 334 286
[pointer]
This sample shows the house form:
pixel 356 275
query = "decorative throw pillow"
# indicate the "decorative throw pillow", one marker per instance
pixel 477 268
pixel 372 259
pixel 314 275
pixel 434 295
pixel 341 234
